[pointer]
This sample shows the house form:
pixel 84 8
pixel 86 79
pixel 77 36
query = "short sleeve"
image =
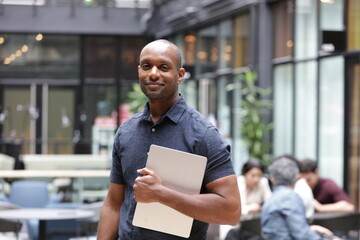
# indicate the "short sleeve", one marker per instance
pixel 116 172
pixel 217 151
pixel 337 193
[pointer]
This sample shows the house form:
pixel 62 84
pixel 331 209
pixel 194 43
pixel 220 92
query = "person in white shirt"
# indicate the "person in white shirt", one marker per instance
pixel 253 186
pixel 254 189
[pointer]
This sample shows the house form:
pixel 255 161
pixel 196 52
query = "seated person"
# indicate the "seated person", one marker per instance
pixel 303 189
pixel 329 197
pixel 254 190
pixel 283 214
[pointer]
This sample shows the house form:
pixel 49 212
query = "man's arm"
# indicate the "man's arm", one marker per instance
pixel 220 206
pixel 340 206
pixel 110 213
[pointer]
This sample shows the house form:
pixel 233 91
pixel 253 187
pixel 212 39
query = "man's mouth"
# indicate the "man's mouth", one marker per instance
pixel 154 85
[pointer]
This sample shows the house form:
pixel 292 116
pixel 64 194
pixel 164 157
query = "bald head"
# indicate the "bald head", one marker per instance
pixel 162 43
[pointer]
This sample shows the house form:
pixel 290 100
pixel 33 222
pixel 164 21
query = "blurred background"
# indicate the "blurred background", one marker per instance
pixel 275 76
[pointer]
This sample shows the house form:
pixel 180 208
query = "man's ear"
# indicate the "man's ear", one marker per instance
pixel 181 75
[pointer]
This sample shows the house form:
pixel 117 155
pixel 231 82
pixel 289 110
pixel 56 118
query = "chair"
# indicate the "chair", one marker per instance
pixel 29 194
pixel 62 229
pixel 6 225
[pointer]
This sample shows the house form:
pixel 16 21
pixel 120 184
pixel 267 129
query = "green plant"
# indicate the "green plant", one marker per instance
pixel 255 130
pixel 137 99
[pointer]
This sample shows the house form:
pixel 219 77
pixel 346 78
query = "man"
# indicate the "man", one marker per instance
pixel 283 214
pixel 302 188
pixel 329 197
pixel 167 121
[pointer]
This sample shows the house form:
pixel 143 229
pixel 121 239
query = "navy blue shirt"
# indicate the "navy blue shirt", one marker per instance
pixel 181 128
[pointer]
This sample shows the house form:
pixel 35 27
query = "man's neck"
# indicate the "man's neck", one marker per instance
pixel 158 108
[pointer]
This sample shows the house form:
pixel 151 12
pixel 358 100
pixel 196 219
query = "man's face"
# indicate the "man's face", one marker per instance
pixel 311 178
pixel 159 75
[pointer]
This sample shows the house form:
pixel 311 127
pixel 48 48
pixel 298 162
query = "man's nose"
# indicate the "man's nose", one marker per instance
pixel 154 73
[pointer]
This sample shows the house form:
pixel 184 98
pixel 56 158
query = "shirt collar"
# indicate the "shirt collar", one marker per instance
pixel 174 113
pixel 176 110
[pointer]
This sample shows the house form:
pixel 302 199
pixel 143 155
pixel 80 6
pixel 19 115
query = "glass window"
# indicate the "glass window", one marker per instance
pixel 223 107
pixel 241 40
pixel 353 24
pixel 226 47
pixel 354 133
pixel 189 90
pixel 239 156
pixel 43 56
pixel 331 15
pixel 331 118
pixel 99 104
pixel 283 109
pixel 207 96
pixel 283 15
pixel 60 121
pixel 189 49
pixel 129 57
pixel 208 53
pixel 189 52
pixel 99 58
pixel 178 40
pixel 306 29
pixel 16 125
pixel 305 110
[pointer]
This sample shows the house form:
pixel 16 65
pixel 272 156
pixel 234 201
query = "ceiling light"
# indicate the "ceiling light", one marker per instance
pixel 39 37
pixel 24 48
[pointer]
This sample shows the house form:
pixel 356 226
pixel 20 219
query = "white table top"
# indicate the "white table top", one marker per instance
pixel 7 206
pixel 53 173
pixel 45 214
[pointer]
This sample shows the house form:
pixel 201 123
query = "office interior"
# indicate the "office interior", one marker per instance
pixel 66 68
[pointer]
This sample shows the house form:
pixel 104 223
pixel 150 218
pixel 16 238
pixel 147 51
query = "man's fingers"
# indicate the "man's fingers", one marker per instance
pixel 145 171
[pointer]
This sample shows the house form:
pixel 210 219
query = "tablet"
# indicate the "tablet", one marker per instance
pixel 180 171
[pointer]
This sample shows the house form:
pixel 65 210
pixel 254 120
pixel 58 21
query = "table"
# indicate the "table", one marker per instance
pixel 332 221
pixel 43 215
pixel 73 174
pixel 251 222
pixel 54 173
pixel 338 221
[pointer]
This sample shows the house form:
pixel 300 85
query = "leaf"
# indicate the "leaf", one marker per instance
pixel 254 105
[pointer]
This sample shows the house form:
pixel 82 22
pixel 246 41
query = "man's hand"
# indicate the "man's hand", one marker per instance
pixel 147 187
pixel 322 231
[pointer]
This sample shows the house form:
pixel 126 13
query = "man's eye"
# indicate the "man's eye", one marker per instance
pixel 145 66
pixel 164 68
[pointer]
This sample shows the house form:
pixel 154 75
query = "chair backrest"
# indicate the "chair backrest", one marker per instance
pixel 29 194
pixel 8 225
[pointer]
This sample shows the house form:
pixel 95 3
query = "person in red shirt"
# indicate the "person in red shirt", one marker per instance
pixel 329 197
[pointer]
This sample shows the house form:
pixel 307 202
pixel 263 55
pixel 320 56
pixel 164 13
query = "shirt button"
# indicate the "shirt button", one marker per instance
pixel 153 129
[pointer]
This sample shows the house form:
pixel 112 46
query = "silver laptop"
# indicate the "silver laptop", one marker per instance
pixel 180 171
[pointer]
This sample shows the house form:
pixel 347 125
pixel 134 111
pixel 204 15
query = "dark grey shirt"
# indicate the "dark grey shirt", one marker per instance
pixel 182 128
